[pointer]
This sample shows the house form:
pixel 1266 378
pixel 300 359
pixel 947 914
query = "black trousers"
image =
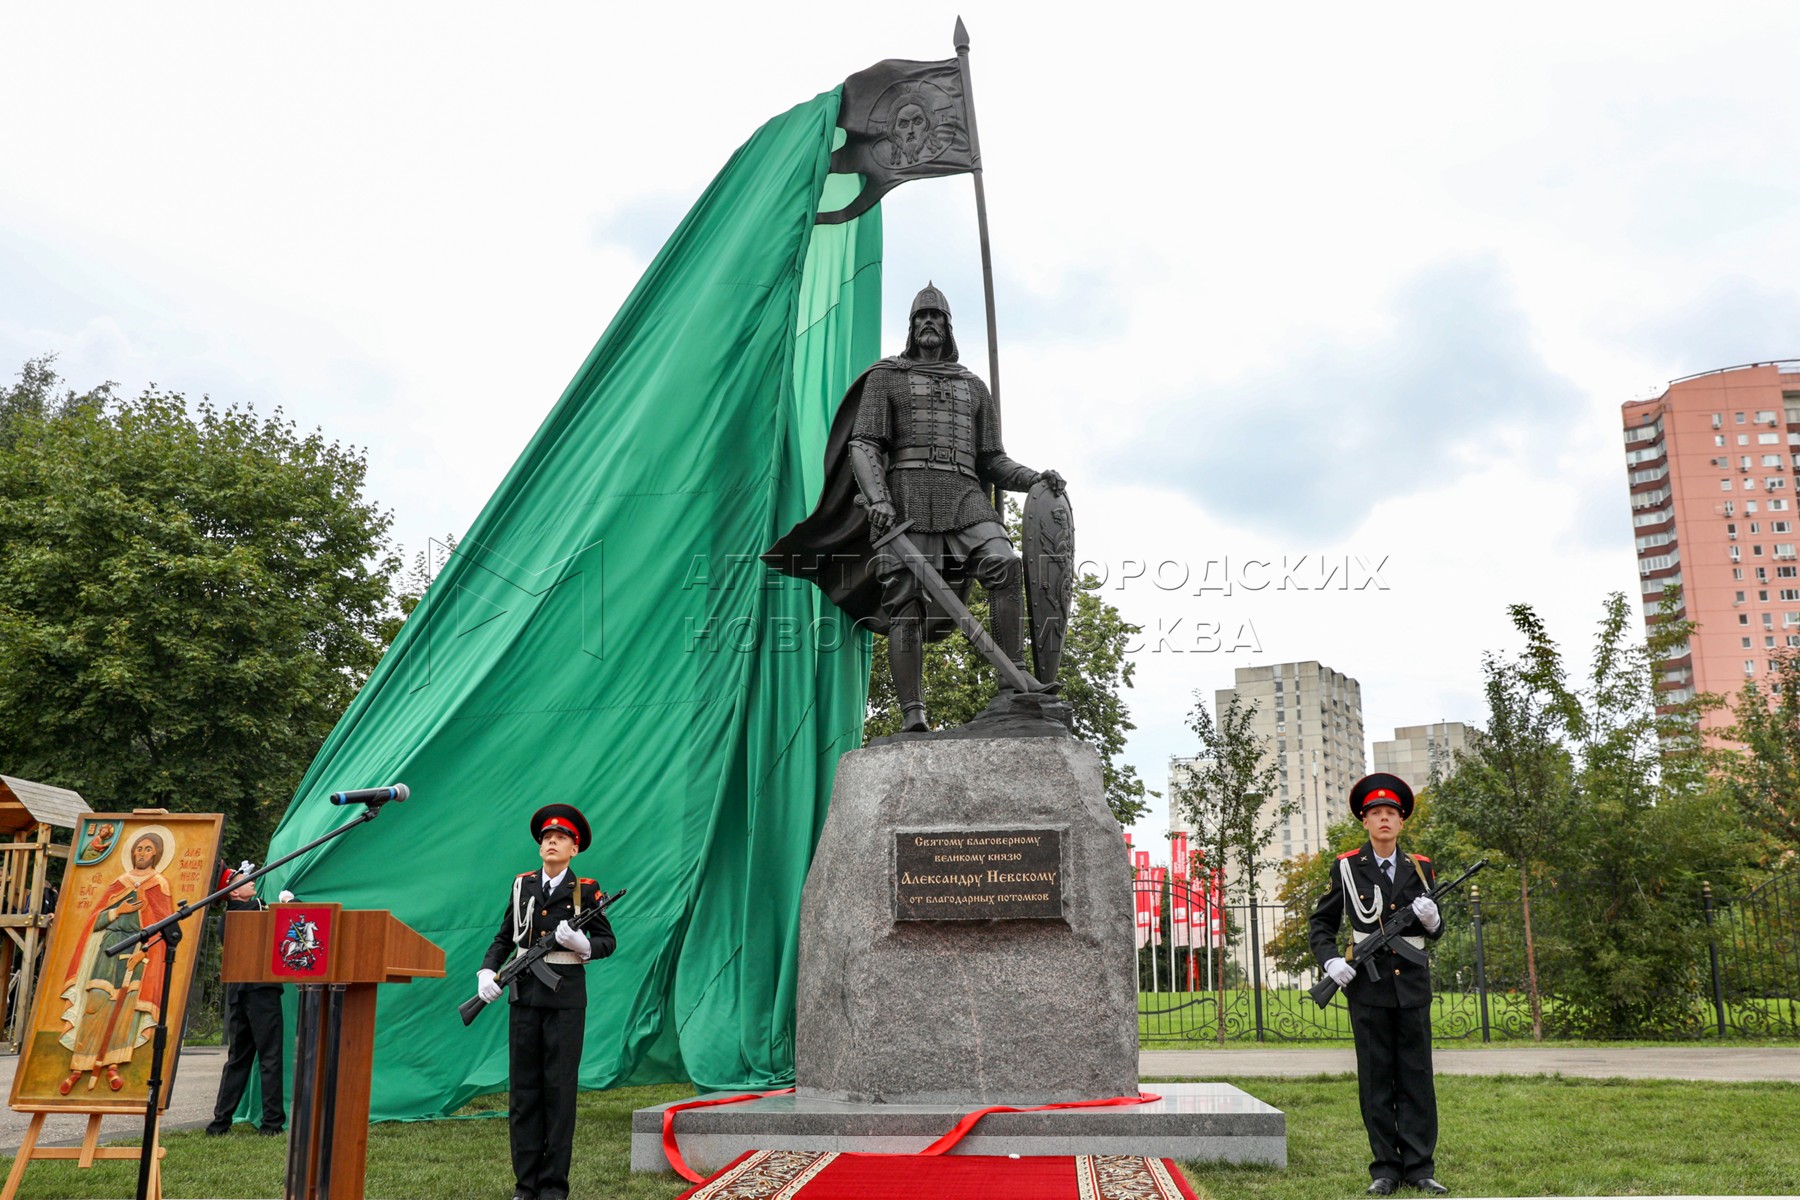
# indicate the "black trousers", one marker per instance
pixel 545 1048
pixel 252 1031
pixel 1399 1099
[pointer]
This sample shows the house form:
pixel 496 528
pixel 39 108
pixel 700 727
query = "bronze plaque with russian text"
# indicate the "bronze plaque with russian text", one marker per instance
pixel 977 874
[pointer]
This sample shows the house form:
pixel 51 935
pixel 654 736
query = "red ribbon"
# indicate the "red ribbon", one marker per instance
pixel 941 1146
pixel 673 1153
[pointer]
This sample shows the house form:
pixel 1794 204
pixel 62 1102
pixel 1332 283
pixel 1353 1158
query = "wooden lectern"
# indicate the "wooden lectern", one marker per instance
pixel 336 957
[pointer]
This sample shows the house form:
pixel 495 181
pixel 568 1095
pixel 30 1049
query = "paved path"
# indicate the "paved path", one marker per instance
pixel 190 1104
pixel 1593 1062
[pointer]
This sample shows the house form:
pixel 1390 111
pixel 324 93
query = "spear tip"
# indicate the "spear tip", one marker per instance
pixel 961 36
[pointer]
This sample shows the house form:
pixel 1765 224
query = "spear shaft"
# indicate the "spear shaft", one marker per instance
pixel 987 253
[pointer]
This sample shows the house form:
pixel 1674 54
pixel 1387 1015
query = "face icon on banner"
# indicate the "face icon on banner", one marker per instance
pixel 908 131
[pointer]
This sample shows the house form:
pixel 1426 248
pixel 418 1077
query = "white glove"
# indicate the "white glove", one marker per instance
pixel 570 938
pixel 485 987
pixel 1341 972
pixel 1425 908
pixel 286 897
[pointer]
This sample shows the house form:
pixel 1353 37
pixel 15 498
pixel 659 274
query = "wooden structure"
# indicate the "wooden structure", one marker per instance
pixel 29 813
pixel 88 1152
pixel 356 950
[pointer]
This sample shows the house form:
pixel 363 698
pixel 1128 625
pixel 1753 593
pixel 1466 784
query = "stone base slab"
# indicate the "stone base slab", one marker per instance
pixel 1208 1122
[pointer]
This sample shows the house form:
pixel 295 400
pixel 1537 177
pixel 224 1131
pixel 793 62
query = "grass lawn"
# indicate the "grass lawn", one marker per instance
pixel 1499 1137
pixel 1538 1136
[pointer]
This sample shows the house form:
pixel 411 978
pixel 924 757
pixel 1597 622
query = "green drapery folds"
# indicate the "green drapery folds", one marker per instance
pixel 605 636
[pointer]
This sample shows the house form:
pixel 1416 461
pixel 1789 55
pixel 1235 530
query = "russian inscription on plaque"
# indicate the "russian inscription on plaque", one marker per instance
pixel 977 874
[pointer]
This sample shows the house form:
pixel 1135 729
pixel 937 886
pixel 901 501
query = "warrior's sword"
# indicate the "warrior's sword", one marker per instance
pixel 952 604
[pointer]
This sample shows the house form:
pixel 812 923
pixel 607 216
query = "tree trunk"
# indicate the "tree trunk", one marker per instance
pixel 1531 980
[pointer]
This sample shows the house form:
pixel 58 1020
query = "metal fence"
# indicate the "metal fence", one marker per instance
pixel 1734 971
pixel 1754 950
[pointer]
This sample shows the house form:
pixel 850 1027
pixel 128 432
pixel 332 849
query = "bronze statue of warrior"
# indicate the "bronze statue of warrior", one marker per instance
pixel 915 440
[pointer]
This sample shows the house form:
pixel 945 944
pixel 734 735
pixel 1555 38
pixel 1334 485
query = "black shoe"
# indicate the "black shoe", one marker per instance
pixel 1430 1186
pixel 217 1131
pixel 1381 1185
pixel 267 1132
pixel 523 1195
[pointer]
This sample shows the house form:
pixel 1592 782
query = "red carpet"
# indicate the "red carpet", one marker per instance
pixel 808 1175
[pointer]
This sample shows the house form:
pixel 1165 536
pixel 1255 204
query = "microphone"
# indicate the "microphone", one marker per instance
pixel 398 792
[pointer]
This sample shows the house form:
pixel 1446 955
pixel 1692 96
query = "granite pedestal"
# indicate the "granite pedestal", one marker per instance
pixel 1210 1122
pixel 965 1009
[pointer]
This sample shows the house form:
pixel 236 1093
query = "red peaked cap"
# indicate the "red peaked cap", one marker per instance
pixel 227 874
pixel 565 817
pixel 1374 791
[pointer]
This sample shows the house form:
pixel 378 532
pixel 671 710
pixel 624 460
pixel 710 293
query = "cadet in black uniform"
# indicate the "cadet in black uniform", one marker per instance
pixel 546 1027
pixel 1391 1017
pixel 252 1032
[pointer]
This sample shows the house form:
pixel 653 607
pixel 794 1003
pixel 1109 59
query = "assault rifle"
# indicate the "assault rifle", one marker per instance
pixel 533 959
pixel 1392 930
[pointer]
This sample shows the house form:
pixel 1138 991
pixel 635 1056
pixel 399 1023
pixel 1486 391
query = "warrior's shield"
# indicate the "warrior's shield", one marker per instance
pixel 1048 548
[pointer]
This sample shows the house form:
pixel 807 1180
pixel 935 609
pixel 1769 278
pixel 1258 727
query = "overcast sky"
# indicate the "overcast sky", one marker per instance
pixel 1273 281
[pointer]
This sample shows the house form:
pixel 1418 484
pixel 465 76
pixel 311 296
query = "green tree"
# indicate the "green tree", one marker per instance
pixel 1222 795
pixel 1764 781
pixel 410 587
pixel 188 600
pixel 1642 833
pixel 1301 879
pixel 39 394
pixel 1511 790
pixel 1095 674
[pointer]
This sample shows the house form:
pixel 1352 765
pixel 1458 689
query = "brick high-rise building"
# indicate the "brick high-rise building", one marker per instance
pixel 1711 463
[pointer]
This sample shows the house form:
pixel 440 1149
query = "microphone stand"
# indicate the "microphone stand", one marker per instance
pixel 168 931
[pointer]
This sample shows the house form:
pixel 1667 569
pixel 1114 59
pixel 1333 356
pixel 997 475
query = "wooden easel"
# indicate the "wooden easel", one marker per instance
pixel 85 1154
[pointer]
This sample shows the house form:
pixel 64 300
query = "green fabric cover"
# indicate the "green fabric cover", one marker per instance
pixel 605 636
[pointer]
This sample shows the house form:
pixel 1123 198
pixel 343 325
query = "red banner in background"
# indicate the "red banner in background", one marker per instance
pixel 1141 897
pixel 1206 912
pixel 1157 875
pixel 1180 892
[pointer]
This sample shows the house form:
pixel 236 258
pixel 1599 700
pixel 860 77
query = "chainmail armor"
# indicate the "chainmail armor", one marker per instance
pixel 891 419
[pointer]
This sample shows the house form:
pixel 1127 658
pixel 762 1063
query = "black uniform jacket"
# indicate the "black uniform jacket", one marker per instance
pixel 546 913
pixel 1402 984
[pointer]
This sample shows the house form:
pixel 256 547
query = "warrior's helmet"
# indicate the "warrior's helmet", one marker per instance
pixel 930 297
